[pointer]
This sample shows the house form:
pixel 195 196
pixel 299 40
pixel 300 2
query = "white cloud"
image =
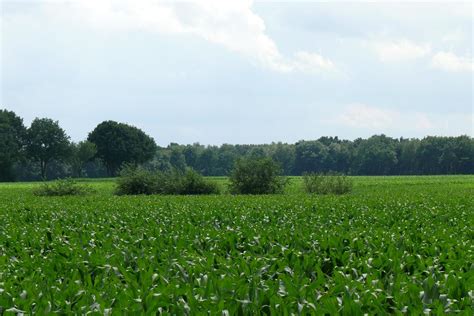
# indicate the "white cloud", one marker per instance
pixel 312 62
pixel 457 35
pixel 399 50
pixel 422 121
pixel 381 120
pixel 448 61
pixel 364 116
pixel 231 24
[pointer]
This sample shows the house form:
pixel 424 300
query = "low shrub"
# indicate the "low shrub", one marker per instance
pixel 62 187
pixel 136 180
pixel 190 182
pixel 330 183
pixel 257 176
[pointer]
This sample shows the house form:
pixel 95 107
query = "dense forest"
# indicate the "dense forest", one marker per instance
pixel 44 151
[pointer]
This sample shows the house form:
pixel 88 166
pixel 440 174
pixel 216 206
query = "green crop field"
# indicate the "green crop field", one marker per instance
pixel 398 245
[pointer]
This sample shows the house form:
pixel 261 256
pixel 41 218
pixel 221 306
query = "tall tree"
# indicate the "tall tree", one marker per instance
pixel 311 156
pixel 177 158
pixel 429 154
pixel 191 154
pixel 284 154
pixel 46 141
pixel 340 156
pixel 82 152
pixel 464 150
pixel 406 155
pixel 375 156
pixel 119 143
pixel 226 159
pixel 207 161
pixel 12 139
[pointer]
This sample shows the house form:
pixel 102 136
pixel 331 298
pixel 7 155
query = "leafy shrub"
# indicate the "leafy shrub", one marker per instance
pixel 330 183
pixel 61 188
pixel 256 176
pixel 190 182
pixel 136 180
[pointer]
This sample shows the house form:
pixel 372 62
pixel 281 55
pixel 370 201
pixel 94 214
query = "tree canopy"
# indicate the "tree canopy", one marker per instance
pixel 43 151
pixel 82 152
pixel 46 141
pixel 12 140
pixel 119 143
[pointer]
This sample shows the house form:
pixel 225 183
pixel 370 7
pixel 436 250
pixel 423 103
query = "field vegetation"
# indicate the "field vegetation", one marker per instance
pixel 331 183
pixel 399 245
pixel 137 180
pixel 62 187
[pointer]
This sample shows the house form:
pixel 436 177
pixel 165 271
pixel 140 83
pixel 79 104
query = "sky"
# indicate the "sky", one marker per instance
pixel 241 72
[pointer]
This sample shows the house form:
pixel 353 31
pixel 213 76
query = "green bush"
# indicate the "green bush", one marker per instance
pixel 61 188
pixel 330 183
pixel 190 182
pixel 256 176
pixel 136 180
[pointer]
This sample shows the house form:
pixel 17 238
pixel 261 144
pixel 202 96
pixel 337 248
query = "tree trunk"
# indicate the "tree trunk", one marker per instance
pixel 43 165
pixel 109 170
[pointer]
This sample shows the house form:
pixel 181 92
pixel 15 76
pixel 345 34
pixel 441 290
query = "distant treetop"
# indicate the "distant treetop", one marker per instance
pixel 119 143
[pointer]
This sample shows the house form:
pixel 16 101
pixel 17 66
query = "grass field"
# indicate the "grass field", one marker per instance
pixel 399 245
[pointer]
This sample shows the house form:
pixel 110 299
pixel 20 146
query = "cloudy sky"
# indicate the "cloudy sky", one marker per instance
pixel 241 71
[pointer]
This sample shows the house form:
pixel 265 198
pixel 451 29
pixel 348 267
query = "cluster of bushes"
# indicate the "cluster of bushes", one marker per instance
pixel 330 183
pixel 137 180
pixel 249 176
pixel 62 187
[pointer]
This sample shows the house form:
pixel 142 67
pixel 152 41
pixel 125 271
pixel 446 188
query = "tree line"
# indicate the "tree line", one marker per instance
pixel 44 151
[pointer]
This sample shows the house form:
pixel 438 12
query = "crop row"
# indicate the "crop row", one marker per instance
pixel 369 253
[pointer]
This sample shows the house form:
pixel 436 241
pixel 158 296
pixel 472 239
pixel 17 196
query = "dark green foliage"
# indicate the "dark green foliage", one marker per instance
pixel 284 155
pixel 82 153
pixel 376 156
pixel 119 143
pixel 134 180
pixel 256 176
pixel 311 156
pixel 12 140
pixel 190 182
pixel 176 157
pixel 62 187
pixel 137 180
pixel 46 141
pixel 330 183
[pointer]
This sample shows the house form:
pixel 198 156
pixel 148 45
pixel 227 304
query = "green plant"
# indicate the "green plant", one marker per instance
pixel 256 176
pixel 119 143
pixel 401 246
pixel 136 181
pixel 62 187
pixel 189 182
pixel 330 183
pixel 46 141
